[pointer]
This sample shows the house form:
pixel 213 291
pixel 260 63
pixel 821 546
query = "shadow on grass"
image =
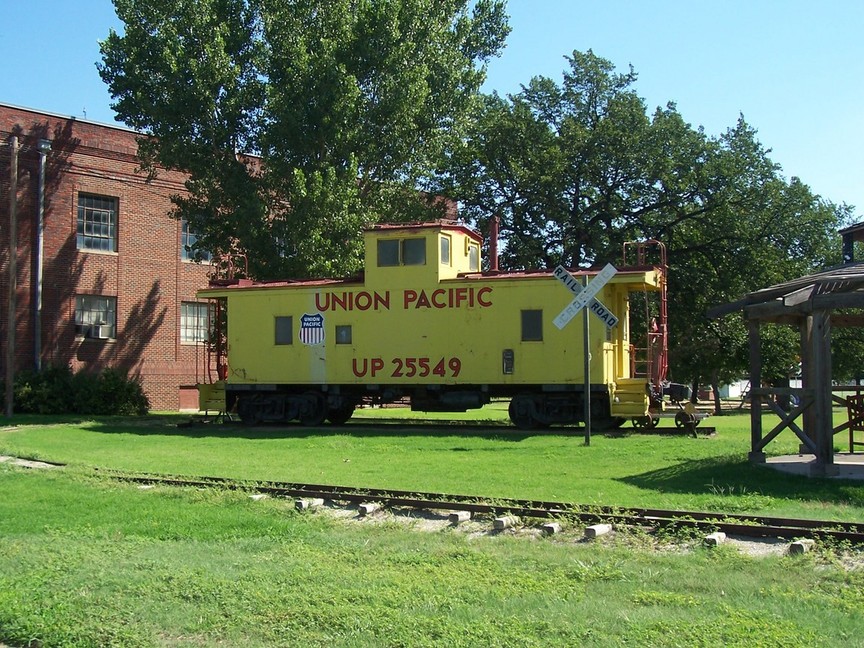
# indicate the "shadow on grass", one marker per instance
pixel 199 426
pixel 174 425
pixel 735 476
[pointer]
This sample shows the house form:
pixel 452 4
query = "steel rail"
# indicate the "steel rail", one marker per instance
pixel 510 429
pixel 362 425
pixel 652 519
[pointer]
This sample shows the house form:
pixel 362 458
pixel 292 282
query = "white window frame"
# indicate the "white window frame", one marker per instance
pixel 188 238
pixel 96 317
pixel 194 322
pixel 96 223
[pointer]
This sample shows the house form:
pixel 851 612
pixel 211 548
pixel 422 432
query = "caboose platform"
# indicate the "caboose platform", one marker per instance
pixel 849 465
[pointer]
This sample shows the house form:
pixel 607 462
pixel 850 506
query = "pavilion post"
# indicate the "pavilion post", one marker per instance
pixel 755 339
pixel 821 374
pixel 809 417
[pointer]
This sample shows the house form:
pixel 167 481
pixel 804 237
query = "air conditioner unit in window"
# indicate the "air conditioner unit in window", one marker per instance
pixel 99 332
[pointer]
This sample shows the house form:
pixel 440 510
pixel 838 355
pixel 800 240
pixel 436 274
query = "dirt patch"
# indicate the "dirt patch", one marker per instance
pixel 761 547
pixel 27 463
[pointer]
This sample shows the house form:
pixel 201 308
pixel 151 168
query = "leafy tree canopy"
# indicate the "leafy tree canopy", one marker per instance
pixel 299 122
pixel 575 169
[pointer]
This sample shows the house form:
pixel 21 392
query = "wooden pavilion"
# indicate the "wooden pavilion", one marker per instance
pixel 814 304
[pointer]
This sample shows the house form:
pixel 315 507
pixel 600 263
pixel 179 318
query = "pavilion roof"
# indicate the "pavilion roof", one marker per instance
pixel 840 287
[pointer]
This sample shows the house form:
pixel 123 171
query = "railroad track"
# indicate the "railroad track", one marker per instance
pixel 754 526
pixel 448 427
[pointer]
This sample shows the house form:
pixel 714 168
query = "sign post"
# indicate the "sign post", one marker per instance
pixel 586 364
pixel 585 296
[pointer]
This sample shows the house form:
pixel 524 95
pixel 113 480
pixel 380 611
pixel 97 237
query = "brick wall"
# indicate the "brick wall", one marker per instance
pixel 145 274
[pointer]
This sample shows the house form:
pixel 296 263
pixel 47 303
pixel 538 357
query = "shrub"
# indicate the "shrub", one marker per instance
pixel 119 394
pixel 57 390
pixel 45 392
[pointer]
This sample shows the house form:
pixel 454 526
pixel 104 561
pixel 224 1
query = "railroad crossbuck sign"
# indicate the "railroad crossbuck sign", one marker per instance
pixel 585 296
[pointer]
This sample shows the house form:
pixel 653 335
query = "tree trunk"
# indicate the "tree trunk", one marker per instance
pixel 715 387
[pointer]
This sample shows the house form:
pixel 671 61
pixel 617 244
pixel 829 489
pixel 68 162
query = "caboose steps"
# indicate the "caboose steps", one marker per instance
pixel 630 398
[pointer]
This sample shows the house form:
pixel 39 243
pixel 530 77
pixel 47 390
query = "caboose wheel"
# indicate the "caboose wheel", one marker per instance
pixel 521 412
pixel 313 409
pixel 646 422
pixel 685 420
pixel 340 415
pixel 249 409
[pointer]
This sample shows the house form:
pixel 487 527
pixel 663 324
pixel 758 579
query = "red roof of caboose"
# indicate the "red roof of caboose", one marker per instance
pixel 446 224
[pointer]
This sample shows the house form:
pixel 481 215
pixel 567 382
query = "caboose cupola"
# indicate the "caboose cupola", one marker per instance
pixel 403 253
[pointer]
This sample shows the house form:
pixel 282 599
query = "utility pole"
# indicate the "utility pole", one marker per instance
pixel 44 149
pixel 13 274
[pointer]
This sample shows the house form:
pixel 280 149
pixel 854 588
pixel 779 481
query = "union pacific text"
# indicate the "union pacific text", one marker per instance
pixel 364 300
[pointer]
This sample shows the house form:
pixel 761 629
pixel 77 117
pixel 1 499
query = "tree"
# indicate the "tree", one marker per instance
pixel 575 170
pixel 762 230
pixel 298 122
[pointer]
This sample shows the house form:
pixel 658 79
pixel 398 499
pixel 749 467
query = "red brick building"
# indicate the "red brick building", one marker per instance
pixel 116 287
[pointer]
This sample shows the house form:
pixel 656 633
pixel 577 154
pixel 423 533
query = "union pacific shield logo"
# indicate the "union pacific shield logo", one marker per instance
pixel 312 329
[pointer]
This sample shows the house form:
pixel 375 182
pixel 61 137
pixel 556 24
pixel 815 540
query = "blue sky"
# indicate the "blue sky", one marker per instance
pixel 794 69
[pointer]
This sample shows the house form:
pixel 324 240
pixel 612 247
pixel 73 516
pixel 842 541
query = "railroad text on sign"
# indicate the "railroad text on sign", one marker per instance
pixel 585 296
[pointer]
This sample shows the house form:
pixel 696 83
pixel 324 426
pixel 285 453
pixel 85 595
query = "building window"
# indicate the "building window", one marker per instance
pixel 532 325
pixel 188 239
pixel 96 316
pixel 445 250
pixel 394 252
pixel 97 223
pixel 284 330
pixel 343 334
pixel 193 322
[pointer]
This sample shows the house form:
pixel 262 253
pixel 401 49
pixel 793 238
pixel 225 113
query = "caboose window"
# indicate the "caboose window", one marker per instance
pixel 343 334
pixel 445 250
pixel 414 251
pixel 388 252
pixel 394 252
pixel 284 329
pixel 532 325
pixel 473 258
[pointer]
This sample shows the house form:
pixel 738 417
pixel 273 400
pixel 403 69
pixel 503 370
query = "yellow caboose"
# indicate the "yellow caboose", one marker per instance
pixel 424 323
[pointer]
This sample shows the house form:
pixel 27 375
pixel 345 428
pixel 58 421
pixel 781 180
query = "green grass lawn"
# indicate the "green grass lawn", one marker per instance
pixel 86 561
pixel 630 469
pixel 89 563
